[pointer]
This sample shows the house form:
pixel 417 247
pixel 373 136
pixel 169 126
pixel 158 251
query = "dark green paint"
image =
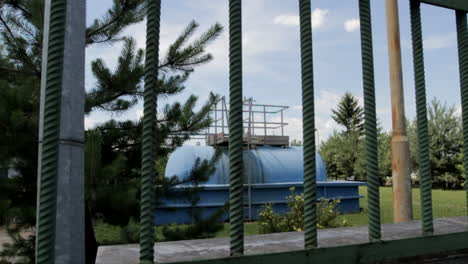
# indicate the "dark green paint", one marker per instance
pixel 361 253
pixel 461 5
pixel 370 123
pixel 423 134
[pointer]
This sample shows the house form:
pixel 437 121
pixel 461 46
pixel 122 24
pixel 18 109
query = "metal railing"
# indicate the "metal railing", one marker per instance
pixel 67 18
pixel 258 119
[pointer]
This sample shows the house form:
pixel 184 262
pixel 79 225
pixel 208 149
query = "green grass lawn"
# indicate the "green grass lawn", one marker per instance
pixel 445 204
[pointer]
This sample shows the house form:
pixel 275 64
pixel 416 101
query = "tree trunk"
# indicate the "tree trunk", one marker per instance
pixel 91 245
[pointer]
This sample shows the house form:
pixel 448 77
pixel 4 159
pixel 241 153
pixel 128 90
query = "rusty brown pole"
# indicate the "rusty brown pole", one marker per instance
pixel 401 181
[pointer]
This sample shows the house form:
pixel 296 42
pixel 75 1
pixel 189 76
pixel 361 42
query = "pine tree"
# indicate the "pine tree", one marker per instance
pixel 21 24
pixel 349 113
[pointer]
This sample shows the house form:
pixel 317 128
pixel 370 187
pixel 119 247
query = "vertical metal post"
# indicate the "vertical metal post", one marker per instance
pixel 423 135
pixel 60 218
pixel 308 119
pixel 222 115
pixel 236 166
pixel 462 39
pixel 149 144
pixel 45 46
pixel 264 120
pixel 370 125
pixel 216 120
pixel 401 181
pixel 282 123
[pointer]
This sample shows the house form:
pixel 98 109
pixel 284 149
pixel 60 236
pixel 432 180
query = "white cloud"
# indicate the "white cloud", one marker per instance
pixel 319 17
pixel 89 122
pixel 139 114
pixel 439 41
pixel 351 25
pixel 287 20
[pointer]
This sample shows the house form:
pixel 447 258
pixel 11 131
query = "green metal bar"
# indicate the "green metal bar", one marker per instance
pixel 149 143
pixel 423 135
pixel 310 195
pixel 370 126
pixel 462 38
pixel 49 170
pixel 236 165
pixel 378 252
pixel 461 5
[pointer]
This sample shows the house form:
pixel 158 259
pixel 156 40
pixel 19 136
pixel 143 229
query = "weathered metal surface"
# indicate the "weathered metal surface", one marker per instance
pixel 352 241
pixel 61 166
pixel 462 41
pixel 308 121
pixel 149 129
pixel 401 181
pixel 45 51
pixel 370 125
pixel 70 214
pixel 423 135
pixel 236 166
pixel 461 5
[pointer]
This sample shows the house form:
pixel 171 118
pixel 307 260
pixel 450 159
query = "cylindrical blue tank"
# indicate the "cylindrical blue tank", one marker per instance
pixel 273 171
pixel 262 164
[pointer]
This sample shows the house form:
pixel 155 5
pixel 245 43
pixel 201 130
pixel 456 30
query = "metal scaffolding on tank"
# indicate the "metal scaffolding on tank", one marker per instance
pixel 263 124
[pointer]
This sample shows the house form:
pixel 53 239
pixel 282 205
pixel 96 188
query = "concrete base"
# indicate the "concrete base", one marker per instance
pixel 281 242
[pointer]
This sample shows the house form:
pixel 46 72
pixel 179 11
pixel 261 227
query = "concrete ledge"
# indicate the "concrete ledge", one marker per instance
pixel 203 249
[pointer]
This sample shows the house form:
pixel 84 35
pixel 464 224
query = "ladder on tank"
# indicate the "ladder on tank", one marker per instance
pixel 248 199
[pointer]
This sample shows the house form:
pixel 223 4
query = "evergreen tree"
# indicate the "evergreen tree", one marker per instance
pixel 21 30
pixel 349 113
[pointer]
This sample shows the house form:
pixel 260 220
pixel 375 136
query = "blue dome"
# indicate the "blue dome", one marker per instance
pixel 263 164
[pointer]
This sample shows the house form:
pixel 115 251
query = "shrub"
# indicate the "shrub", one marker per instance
pixel 131 232
pixel 202 228
pixel 107 234
pixel 328 215
pixel 293 219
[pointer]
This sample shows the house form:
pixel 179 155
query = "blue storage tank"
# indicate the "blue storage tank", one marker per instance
pixel 272 172
pixel 263 164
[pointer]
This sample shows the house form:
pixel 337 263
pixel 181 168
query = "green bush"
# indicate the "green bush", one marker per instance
pixel 107 234
pixel 293 219
pixel 328 215
pixel 131 232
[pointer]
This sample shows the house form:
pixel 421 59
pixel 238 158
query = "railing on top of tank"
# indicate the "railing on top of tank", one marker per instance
pixel 375 250
pixel 258 119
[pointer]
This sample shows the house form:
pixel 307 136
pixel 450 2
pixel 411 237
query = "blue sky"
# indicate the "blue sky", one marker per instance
pixel 271 55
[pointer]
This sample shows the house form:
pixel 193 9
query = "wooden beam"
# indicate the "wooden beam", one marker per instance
pixel 461 5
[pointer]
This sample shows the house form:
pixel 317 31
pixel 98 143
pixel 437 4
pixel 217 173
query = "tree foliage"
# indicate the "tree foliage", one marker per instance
pixel 349 113
pixel 116 90
pixel 446 145
pixel 344 158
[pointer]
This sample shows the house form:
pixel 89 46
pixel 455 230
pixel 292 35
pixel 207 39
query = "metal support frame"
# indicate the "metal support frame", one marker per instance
pixel 423 135
pixel 60 212
pixel 149 144
pixel 460 5
pixel 370 126
pixel 236 166
pixel 308 120
pixel 462 41
pixel 249 124
pixel 378 252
